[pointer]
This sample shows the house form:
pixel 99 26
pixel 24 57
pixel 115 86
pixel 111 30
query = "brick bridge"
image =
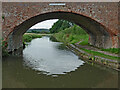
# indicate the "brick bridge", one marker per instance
pixel 98 19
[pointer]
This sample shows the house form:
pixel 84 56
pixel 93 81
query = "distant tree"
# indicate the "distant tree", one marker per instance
pixel 60 25
pixel 33 31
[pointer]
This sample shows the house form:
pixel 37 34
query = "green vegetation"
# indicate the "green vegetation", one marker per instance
pixel 44 32
pixel 3 17
pixel 29 37
pixel 60 25
pixel 72 35
pixel 100 54
pixel 75 34
pixel 112 50
pixel 34 31
pixel 40 31
pixel 26 38
pixel 4 49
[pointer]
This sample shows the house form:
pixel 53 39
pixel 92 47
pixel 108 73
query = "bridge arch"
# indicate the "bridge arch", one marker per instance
pixel 99 36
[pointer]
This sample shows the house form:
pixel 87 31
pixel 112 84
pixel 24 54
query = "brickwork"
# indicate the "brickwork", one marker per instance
pixel 103 17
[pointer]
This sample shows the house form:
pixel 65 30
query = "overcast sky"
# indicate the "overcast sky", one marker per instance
pixel 45 24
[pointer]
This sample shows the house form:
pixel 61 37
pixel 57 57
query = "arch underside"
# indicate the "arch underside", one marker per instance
pixel 99 36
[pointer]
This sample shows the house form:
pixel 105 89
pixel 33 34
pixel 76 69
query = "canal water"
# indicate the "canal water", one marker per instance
pixel 48 64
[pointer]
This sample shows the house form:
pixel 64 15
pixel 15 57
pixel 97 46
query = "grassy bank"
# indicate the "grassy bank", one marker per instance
pixel 96 57
pixel 94 53
pixel 112 50
pixel 29 37
pixel 72 35
pixel 76 34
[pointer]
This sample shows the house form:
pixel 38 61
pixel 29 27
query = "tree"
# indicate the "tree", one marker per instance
pixel 60 25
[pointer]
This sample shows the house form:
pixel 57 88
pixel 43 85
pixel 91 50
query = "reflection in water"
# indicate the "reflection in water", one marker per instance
pixel 43 55
pixel 38 69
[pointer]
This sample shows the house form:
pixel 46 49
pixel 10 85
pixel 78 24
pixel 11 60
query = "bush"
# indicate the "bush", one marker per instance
pixel 29 37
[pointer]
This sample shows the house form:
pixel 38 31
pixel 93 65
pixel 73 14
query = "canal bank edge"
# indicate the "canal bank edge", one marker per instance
pixel 114 64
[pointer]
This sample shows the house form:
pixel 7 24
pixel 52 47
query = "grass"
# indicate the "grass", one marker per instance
pixel 72 35
pixel 29 37
pixel 100 54
pixel 112 50
pixel 75 34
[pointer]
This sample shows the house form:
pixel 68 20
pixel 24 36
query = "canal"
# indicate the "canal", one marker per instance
pixel 48 64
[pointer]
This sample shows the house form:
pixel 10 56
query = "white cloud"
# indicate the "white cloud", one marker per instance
pixel 45 24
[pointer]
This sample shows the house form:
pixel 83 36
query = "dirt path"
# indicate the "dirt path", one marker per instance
pixel 95 49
